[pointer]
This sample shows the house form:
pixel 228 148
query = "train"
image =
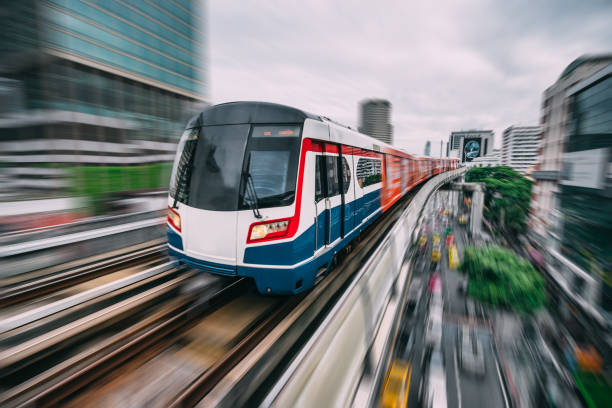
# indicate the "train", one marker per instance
pixel 273 193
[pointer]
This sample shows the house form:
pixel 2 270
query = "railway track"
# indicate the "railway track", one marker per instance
pixel 41 347
pixel 23 287
pixel 169 347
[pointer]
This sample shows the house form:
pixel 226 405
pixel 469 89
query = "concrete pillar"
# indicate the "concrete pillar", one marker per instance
pixel 476 215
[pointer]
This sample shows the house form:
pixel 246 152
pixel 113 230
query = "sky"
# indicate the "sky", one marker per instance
pixel 444 65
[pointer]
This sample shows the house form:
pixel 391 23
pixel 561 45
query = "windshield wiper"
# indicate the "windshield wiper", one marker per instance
pixel 249 189
pixel 185 175
pixel 278 198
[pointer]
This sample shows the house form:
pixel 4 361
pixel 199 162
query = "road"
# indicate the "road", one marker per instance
pixel 462 388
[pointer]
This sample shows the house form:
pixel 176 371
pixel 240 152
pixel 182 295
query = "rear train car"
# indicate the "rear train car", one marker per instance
pixel 272 193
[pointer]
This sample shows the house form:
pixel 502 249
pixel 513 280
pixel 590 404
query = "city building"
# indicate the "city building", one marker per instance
pixel 97 84
pixel 571 213
pixel 375 119
pixel 466 145
pixel 490 160
pixel 427 151
pixel 520 147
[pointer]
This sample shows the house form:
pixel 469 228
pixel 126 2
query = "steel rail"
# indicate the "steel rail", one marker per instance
pixel 149 341
pixel 43 383
pixel 204 383
pixel 30 347
pixel 28 289
pixel 41 312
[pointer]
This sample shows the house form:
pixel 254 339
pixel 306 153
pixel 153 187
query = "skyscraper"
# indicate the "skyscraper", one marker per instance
pixel 520 147
pixel 100 83
pixel 375 119
pixel 427 148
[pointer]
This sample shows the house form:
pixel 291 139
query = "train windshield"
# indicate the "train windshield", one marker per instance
pixel 215 163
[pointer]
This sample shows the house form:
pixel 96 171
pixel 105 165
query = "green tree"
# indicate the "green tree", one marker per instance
pixel 507 197
pixel 499 277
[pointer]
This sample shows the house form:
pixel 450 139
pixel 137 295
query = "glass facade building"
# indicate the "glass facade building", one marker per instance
pixel 585 195
pixel 99 82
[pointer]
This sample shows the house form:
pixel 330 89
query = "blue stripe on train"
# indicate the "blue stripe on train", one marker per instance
pixel 295 280
pixel 174 239
pixel 302 247
pixel 212 267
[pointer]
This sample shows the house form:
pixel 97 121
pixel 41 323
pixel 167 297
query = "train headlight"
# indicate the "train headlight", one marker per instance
pixel 174 219
pixel 268 230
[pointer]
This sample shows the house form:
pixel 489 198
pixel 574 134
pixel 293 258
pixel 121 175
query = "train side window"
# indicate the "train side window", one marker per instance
pixel 346 175
pixel 369 171
pixel 333 181
pixel 319 182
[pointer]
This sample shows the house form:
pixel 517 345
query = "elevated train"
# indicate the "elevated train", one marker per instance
pixel 272 193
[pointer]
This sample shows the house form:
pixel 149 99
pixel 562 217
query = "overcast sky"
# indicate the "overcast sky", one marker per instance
pixel 443 65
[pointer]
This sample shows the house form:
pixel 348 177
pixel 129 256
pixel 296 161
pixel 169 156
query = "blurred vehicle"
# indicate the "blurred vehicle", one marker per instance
pixel 414 293
pixel 462 219
pixel 436 239
pixel 423 242
pixel 436 253
pixel 432 390
pixel 435 283
pixel 259 190
pixel 450 239
pixel 462 286
pixel 397 384
pixel 470 351
pixel 453 257
pixel 446 213
pixel 433 330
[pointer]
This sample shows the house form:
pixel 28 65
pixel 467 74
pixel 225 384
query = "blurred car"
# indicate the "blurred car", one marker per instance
pixel 414 293
pixel 436 253
pixel 450 239
pixel 432 390
pixel 433 330
pixel 435 283
pixel 462 286
pixel 395 390
pixel 470 352
pixel 462 219
pixel 436 239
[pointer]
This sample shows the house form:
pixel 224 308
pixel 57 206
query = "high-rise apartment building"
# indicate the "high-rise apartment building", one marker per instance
pixel 427 151
pixel 375 119
pixel 520 147
pixel 98 83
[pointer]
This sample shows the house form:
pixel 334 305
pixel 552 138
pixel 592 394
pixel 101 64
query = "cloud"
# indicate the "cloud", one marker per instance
pixel 443 65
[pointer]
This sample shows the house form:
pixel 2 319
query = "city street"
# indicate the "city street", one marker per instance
pixel 463 389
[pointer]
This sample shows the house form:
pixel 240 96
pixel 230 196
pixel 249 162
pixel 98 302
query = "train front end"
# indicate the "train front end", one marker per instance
pixel 234 198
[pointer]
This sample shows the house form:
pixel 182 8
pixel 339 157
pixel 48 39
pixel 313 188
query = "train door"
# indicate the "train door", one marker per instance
pixel 347 190
pixel 329 221
pixel 335 196
pixel 359 203
pixel 321 202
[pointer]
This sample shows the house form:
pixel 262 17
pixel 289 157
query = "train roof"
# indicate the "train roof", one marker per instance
pixel 242 112
pixel 236 113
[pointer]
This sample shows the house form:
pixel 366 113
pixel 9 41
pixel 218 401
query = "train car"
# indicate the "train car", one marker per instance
pixel 273 193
